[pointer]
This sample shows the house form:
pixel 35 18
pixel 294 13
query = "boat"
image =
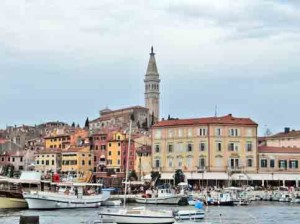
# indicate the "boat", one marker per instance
pixel 161 196
pixel 72 196
pixel 11 189
pixel 285 197
pixel 139 215
pixel 296 199
pixel 222 199
pixel 192 215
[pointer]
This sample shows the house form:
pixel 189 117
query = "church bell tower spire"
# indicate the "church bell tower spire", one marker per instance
pixel 152 87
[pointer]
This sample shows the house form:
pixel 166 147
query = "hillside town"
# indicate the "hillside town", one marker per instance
pixel 210 151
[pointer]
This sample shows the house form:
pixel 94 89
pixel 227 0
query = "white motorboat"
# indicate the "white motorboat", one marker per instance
pixel 138 216
pixel 162 196
pixel 285 198
pixel 191 215
pixel 66 199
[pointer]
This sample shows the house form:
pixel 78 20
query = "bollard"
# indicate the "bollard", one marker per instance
pixel 29 220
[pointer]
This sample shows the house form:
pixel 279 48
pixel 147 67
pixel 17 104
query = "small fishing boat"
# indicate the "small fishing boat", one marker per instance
pixel 72 196
pixel 222 199
pixel 161 196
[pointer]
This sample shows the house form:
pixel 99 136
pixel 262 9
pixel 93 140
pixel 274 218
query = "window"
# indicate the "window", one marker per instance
pixel 189 162
pixel 157 134
pixel 202 163
pixel 82 162
pixel 202 131
pixel 119 162
pixel 180 132
pixel 2 159
pixel 249 162
pixel 47 162
pixel 202 146
pixel 119 153
pixel 219 146
pixel 170 162
pixel 109 144
pixel 157 148
pixel 231 147
pixel 52 162
pixel 13 159
pixel 234 132
pixel 21 159
pixel 249 146
pixel 218 131
pixel 179 162
pixel 170 148
pixel 90 162
pixel 119 144
pixel 103 147
pixel 95 158
pixel 189 147
pixel 263 163
pixel 42 162
pixel 272 163
pixel 234 163
pixel 282 164
pixel 118 137
pixel 96 147
pixel 157 163
pixel 109 153
pixel 37 162
pixel 293 164
pixel 170 133
pixel 190 132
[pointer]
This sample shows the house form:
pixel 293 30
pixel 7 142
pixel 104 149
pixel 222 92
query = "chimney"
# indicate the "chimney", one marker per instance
pixel 286 130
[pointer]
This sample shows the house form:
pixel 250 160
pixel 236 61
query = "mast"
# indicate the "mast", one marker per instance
pixel 127 161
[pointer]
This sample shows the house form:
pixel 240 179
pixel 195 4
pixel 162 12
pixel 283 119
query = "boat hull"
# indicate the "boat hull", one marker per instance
pixel 6 202
pixel 57 201
pixel 165 200
pixel 125 219
pixel 189 215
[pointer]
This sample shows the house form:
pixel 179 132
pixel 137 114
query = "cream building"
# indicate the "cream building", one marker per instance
pixel 214 144
pixel 48 160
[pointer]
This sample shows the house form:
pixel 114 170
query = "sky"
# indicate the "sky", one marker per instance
pixel 67 59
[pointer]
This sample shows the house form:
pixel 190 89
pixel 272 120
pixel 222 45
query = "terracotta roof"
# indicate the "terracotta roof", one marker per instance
pixel 228 120
pixel 290 134
pixel 126 108
pixel 48 151
pixel 269 149
pixel 57 136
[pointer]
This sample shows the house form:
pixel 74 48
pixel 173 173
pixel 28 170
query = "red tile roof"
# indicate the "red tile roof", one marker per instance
pixel 269 149
pixel 227 120
pixel 290 134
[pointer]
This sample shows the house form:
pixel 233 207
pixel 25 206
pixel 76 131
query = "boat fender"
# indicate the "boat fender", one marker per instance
pixel 99 204
pixel 198 204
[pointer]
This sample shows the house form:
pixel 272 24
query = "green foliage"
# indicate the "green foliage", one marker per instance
pixel 133 176
pixel 179 176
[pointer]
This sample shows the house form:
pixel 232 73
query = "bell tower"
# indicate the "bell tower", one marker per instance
pixel 152 87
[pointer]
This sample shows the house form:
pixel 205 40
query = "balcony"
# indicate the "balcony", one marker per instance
pixel 235 169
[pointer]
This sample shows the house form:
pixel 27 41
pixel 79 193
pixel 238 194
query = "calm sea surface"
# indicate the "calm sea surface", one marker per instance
pixel 257 212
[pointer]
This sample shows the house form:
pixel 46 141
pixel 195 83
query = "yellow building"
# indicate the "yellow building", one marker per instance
pixel 215 144
pixel 77 160
pixel 60 141
pixel 114 152
pixel 47 160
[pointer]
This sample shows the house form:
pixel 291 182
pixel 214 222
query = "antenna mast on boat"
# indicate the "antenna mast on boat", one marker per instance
pixel 127 160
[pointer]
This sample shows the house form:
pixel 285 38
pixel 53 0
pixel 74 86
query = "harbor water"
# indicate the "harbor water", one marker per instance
pixel 257 212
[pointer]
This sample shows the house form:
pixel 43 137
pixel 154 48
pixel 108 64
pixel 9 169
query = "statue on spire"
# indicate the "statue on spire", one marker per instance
pixel 152 50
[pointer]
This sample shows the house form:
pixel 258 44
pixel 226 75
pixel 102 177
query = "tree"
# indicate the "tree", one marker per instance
pixel 133 176
pixel 78 126
pixel 87 123
pixel 268 132
pixel 145 124
pixel 179 176
pixel 155 177
pixel 73 125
